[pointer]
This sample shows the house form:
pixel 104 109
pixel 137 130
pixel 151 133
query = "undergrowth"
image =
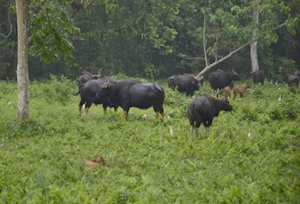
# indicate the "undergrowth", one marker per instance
pixel 250 156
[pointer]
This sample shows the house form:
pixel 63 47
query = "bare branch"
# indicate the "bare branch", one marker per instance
pixel 77 37
pixel 183 56
pixel 205 69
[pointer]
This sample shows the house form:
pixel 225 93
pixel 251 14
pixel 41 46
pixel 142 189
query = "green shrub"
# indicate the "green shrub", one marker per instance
pixel 249 114
pixel 256 93
pixel 276 114
pixel 57 90
pixel 291 113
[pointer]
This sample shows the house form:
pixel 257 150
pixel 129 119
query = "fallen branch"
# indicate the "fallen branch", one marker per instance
pixel 183 56
pixel 205 69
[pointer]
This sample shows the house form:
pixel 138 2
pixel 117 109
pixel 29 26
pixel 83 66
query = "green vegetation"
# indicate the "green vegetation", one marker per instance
pixel 251 156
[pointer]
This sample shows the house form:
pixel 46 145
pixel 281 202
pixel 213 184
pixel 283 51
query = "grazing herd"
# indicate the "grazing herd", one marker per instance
pixel 124 94
pixel 134 93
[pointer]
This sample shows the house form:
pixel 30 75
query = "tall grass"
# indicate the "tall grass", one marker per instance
pixel 251 155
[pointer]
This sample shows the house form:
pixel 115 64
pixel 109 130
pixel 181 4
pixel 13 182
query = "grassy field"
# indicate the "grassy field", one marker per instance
pixel 251 155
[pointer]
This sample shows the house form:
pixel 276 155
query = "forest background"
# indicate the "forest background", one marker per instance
pixel 152 39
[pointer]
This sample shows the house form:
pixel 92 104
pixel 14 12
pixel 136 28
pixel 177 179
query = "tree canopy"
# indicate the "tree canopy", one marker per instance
pixel 153 39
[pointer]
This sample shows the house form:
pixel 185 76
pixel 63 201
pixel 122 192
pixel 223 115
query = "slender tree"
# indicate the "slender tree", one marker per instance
pixel 22 67
pixel 253 47
pixel 204 38
pixel 50 27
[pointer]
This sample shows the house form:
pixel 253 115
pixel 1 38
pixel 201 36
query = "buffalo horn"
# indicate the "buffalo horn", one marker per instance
pixel 107 84
pixel 234 72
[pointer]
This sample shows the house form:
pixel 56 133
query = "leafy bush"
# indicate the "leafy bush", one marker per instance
pixel 281 67
pixel 56 89
pixel 276 114
pixel 291 113
pixel 249 114
pixel 256 93
pixel 287 109
pixel 151 72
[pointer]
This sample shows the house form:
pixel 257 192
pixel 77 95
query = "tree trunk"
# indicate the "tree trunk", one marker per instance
pixel 204 41
pixel 253 47
pixel 22 67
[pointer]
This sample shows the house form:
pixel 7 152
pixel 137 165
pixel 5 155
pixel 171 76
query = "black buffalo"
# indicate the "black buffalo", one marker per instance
pixel 90 94
pixel 172 81
pixel 292 79
pixel 220 79
pixel 83 78
pixel 131 93
pixel 258 77
pixel 186 83
pixel 297 73
pixel 203 109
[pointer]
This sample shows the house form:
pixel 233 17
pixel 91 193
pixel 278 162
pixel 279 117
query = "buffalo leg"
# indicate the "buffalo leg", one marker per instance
pixel 87 107
pixel 80 106
pixel 158 113
pixel 104 108
pixel 126 114
pixel 207 130
pixel 159 110
pixel 207 125
pixel 198 122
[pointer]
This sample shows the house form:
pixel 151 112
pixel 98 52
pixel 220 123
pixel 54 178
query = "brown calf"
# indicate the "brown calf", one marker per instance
pixel 226 91
pixel 240 90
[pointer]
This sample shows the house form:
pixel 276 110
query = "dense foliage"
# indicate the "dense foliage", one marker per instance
pixel 252 154
pixel 153 39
